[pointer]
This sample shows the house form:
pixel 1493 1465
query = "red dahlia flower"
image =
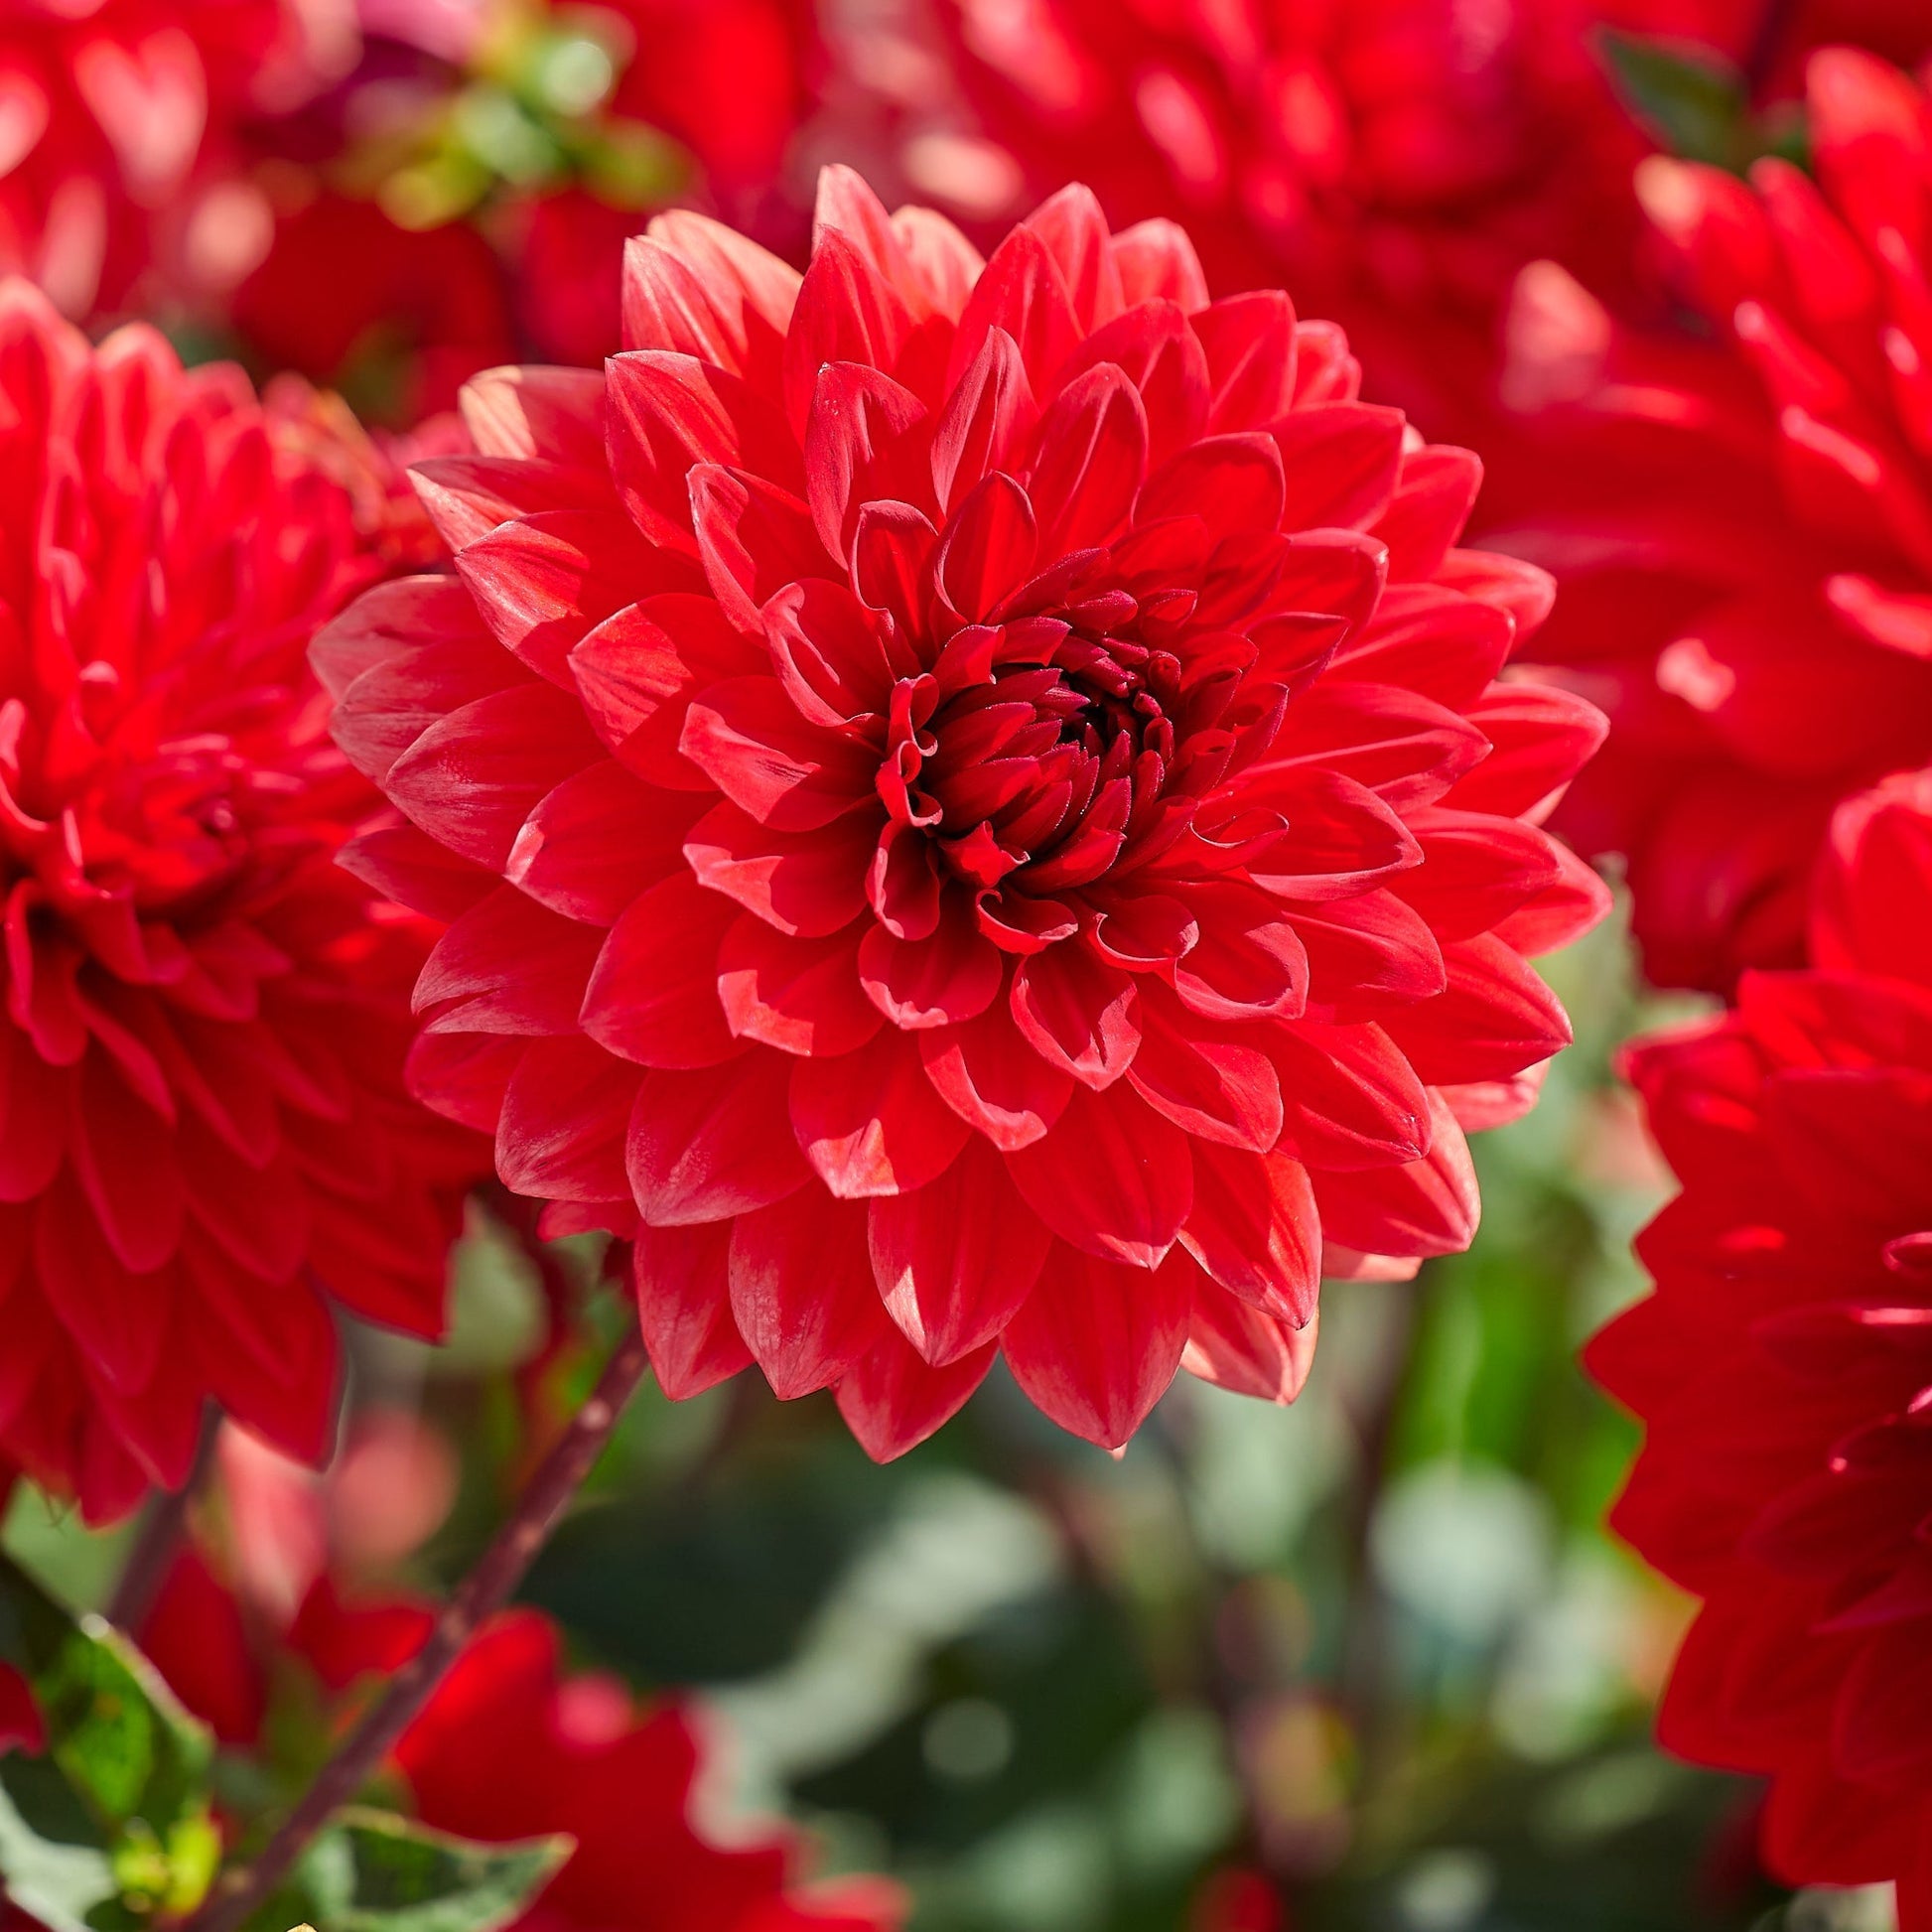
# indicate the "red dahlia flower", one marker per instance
pixel 203 1123
pixel 1783 1369
pixel 508 1748
pixel 976 811
pixel 1742 526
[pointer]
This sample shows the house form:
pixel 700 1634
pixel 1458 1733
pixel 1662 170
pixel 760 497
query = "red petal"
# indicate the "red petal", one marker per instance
pixel 597 841
pixel 987 549
pixel 988 420
pixel 683 1288
pixel 846 312
pixel 802 1292
pixel 812 883
pixel 950 974
pixel 989 1075
pixel 801 995
pixel 747 735
pixel 1349 1097
pixel 565 1116
pixel 867 439
pixel 1112 1178
pixel 709 1145
pixel 1254 1229
pixel 1429 1207
pixel 892 1401
pixel 956 1258
pixel 1341 460
pixel 1092 456
pixel 1495 1019
pixel 1205 1079
pixel 869 1121
pixel 1074 231
pixel 1156 262
pixel 1237 1347
pixel 1249 345
pixel 652 997
pixel 1078 1012
pixel 754 538
pixel 509 966
pixel 1095 1345
pixel 1020 291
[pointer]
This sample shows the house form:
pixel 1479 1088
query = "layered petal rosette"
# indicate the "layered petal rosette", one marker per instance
pixel 1740 514
pixel 203 1135
pixel 977 812
pixel 1783 1370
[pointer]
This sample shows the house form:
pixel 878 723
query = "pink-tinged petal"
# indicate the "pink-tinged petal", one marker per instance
pixel 1022 292
pixel 1495 1018
pixel 1483 1104
pixel 810 884
pixel 701 1146
pixel 467 496
pixel 1138 930
pixel 1158 263
pixel 950 974
pixel 398 619
pixel 754 540
pixel 1350 1099
pixel 1248 341
pixel 747 737
pixel 652 997
pixel 1112 1178
pixel 1432 500
pixel 637 666
pixel 903 884
pixel 801 995
pixel 892 1401
pixel 683 1283
pixel 1205 1079
pixel 1096 1346
pixel 988 422
pixel 1074 230
pixel 537 412
pixel 868 439
pixel 1429 1207
pixel 1078 1012
pixel 509 966
pixel 801 1290
pixel 471 781
pixel 597 841
pixel 847 313
pixel 1232 482
pixel 666 306
pixel 1341 460
pixel 846 206
pixel 1248 963
pixel 945 263
pixel 1092 456
pixel 666 414
pixel 990 1075
pixel 1162 357
pixel 389 706
pixel 955 1258
pixel 542 582
pixel 751 291
pixel 1254 1229
pixel 1237 1347
pixel 987 549
pixel 564 1119
pixel 869 1121
pixel 831 653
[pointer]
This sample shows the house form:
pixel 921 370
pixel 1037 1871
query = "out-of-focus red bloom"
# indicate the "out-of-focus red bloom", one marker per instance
pixel 344 291
pixel 1783 1368
pixel 1743 525
pixel 106 109
pixel 1393 162
pixel 976 811
pixel 510 1749
pixel 205 1136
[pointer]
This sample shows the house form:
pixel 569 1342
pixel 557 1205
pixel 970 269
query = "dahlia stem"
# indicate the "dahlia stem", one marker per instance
pixel 502 1565
pixel 159 1537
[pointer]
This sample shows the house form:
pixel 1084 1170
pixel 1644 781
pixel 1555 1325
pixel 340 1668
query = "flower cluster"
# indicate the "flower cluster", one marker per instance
pixel 1783 1366
pixel 204 1139
pixel 977 811
pixel 1740 516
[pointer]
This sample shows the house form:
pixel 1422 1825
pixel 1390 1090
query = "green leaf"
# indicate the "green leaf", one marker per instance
pixel 371 1872
pixel 1693 102
pixel 113 1821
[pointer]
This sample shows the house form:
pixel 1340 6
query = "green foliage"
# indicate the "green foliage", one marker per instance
pixel 375 1873
pixel 1694 105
